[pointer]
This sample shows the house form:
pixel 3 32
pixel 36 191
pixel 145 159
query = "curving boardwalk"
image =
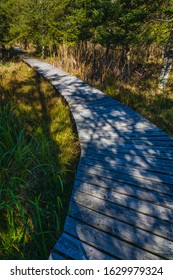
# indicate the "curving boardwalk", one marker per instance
pixel 122 202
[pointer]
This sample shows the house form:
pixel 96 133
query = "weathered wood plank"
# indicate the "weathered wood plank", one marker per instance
pixel 76 249
pixel 113 183
pixel 133 173
pixel 138 205
pixel 164 142
pixel 153 164
pixel 145 153
pixel 88 115
pixel 132 145
pixel 87 96
pixel 119 107
pixel 117 126
pixel 105 242
pixel 115 149
pixel 112 134
pixel 105 101
pixel 124 231
pixel 115 108
pixel 131 161
pixel 56 257
pixel 116 111
pixel 132 191
pixel 113 125
pixel 121 133
pixel 125 178
pixel 122 213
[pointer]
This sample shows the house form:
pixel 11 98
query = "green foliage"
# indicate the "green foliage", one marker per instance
pixel 108 22
pixel 28 199
pixel 4 21
pixel 38 151
pixel 140 94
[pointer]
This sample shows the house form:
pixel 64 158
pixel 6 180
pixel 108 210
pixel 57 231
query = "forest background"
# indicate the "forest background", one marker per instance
pixel 123 47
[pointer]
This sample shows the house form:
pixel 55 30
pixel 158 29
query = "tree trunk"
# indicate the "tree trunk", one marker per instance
pixel 127 60
pixel 94 61
pixel 107 54
pixel 25 43
pixel 167 63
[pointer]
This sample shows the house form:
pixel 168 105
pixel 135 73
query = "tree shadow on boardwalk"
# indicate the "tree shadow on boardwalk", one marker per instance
pixel 121 206
pixel 123 193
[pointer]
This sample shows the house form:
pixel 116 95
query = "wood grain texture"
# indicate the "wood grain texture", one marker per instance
pixel 75 249
pixel 123 231
pixel 122 213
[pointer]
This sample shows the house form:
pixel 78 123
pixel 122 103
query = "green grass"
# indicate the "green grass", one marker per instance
pixel 139 91
pixel 143 96
pixel 39 153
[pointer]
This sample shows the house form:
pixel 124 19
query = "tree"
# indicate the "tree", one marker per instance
pixel 166 18
pixel 4 22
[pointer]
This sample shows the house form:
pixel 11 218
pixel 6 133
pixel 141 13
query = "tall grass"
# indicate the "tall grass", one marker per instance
pixel 103 68
pixel 143 97
pixel 38 158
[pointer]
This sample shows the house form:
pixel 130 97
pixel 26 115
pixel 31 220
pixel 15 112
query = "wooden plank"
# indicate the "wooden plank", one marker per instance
pixel 141 206
pixel 124 187
pixel 106 100
pixel 113 123
pixel 165 142
pixel 88 114
pixel 106 105
pixel 124 166
pixel 115 149
pixel 123 133
pixel 161 165
pixel 132 191
pixel 132 145
pixel 121 125
pixel 111 112
pixel 118 111
pixel 122 213
pixel 98 108
pixel 78 99
pixel 86 94
pixel 115 113
pixel 131 120
pixel 132 172
pixel 124 231
pixel 113 135
pixel 73 85
pixel 154 138
pixel 56 257
pixel 112 117
pixel 120 107
pixel 117 126
pixel 86 97
pixel 116 177
pixel 76 249
pixel 105 242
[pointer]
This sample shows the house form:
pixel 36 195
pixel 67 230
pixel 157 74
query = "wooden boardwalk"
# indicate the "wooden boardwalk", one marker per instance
pixel 122 202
